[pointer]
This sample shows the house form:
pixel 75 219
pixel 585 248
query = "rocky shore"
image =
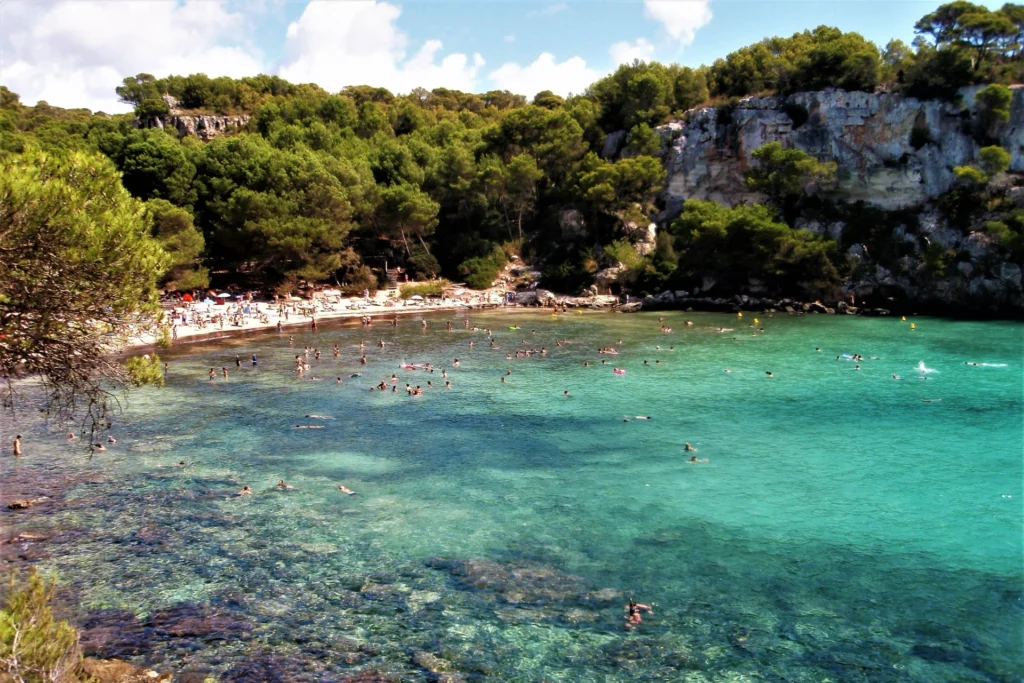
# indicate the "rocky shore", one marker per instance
pixel 682 300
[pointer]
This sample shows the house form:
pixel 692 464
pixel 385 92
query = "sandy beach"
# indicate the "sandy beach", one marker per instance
pixel 265 316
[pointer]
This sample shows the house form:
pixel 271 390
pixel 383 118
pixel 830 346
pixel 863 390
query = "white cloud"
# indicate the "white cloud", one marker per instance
pixel 624 52
pixel 73 53
pixel 571 76
pixel 548 10
pixel 335 44
pixel 680 18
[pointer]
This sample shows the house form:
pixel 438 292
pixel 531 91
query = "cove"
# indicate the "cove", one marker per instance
pixel 847 525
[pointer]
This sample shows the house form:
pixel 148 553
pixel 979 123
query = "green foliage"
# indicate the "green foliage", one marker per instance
pixel 145 370
pixel 174 230
pixel 747 241
pixel 809 60
pixel 970 175
pixel 644 140
pixel 993 160
pixel 34 645
pixel 480 272
pixel 993 103
pixel 359 279
pixel 784 175
pixel 1009 234
pixel 690 89
pixel 424 289
pixel 936 259
pixel 621 251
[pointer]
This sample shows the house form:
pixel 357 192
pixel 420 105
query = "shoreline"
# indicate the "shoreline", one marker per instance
pixel 192 335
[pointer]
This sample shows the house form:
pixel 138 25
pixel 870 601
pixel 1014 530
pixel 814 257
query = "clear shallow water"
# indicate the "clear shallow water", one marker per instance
pixel 842 529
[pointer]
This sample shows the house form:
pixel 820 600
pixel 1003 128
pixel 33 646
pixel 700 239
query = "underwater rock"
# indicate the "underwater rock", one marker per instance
pixel 431 663
pixel 190 621
pixel 117 671
pixel 371 676
pixel 521 583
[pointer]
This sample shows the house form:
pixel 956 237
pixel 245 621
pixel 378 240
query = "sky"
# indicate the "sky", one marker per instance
pixel 73 53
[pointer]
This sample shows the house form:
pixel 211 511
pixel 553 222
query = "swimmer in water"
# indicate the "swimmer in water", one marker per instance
pixel 643 417
pixel 98 447
pixel 633 613
pixel 319 417
pixel 245 491
pixel 565 393
pixel 309 426
pixel 111 440
pixel 896 377
pixel 769 373
pixel 283 486
pixel 71 436
pixel 346 490
pixel 688 447
pixel 728 370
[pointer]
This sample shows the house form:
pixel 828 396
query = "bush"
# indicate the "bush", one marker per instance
pixel 143 370
pixel 993 102
pixel 358 279
pixel 994 160
pixel 621 251
pixel 33 645
pixel 163 338
pixel 479 272
pixel 434 288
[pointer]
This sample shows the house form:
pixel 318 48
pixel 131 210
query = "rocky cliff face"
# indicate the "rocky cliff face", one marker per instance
pixel 893 152
pixel 203 126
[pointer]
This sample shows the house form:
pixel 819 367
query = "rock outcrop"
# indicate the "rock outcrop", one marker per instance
pixel 203 126
pixel 892 152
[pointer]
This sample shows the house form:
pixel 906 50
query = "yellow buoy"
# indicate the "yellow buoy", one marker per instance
pixel 756 321
pixel 739 315
pixel 903 319
pixel 912 326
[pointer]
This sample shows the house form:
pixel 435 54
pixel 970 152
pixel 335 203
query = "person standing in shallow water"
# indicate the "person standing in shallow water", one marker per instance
pixel 17 446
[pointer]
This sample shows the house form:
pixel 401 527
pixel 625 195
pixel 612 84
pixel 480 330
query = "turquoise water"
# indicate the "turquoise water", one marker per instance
pixel 841 528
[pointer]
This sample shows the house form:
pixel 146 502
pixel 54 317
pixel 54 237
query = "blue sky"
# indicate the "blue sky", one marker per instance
pixel 74 52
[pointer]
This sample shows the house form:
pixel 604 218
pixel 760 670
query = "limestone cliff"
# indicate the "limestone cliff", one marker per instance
pixel 186 123
pixel 202 126
pixel 892 153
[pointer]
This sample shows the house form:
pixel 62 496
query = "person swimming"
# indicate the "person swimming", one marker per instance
pixel 346 490
pixel 768 372
pixel 688 447
pixel 643 417
pixel 634 610
pixel 283 486
pixel 320 417
pixel 309 426
pixel 245 491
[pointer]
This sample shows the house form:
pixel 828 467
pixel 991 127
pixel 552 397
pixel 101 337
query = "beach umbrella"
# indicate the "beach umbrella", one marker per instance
pixel 208 300
pixel 187 297
pixel 223 295
pixel 416 297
